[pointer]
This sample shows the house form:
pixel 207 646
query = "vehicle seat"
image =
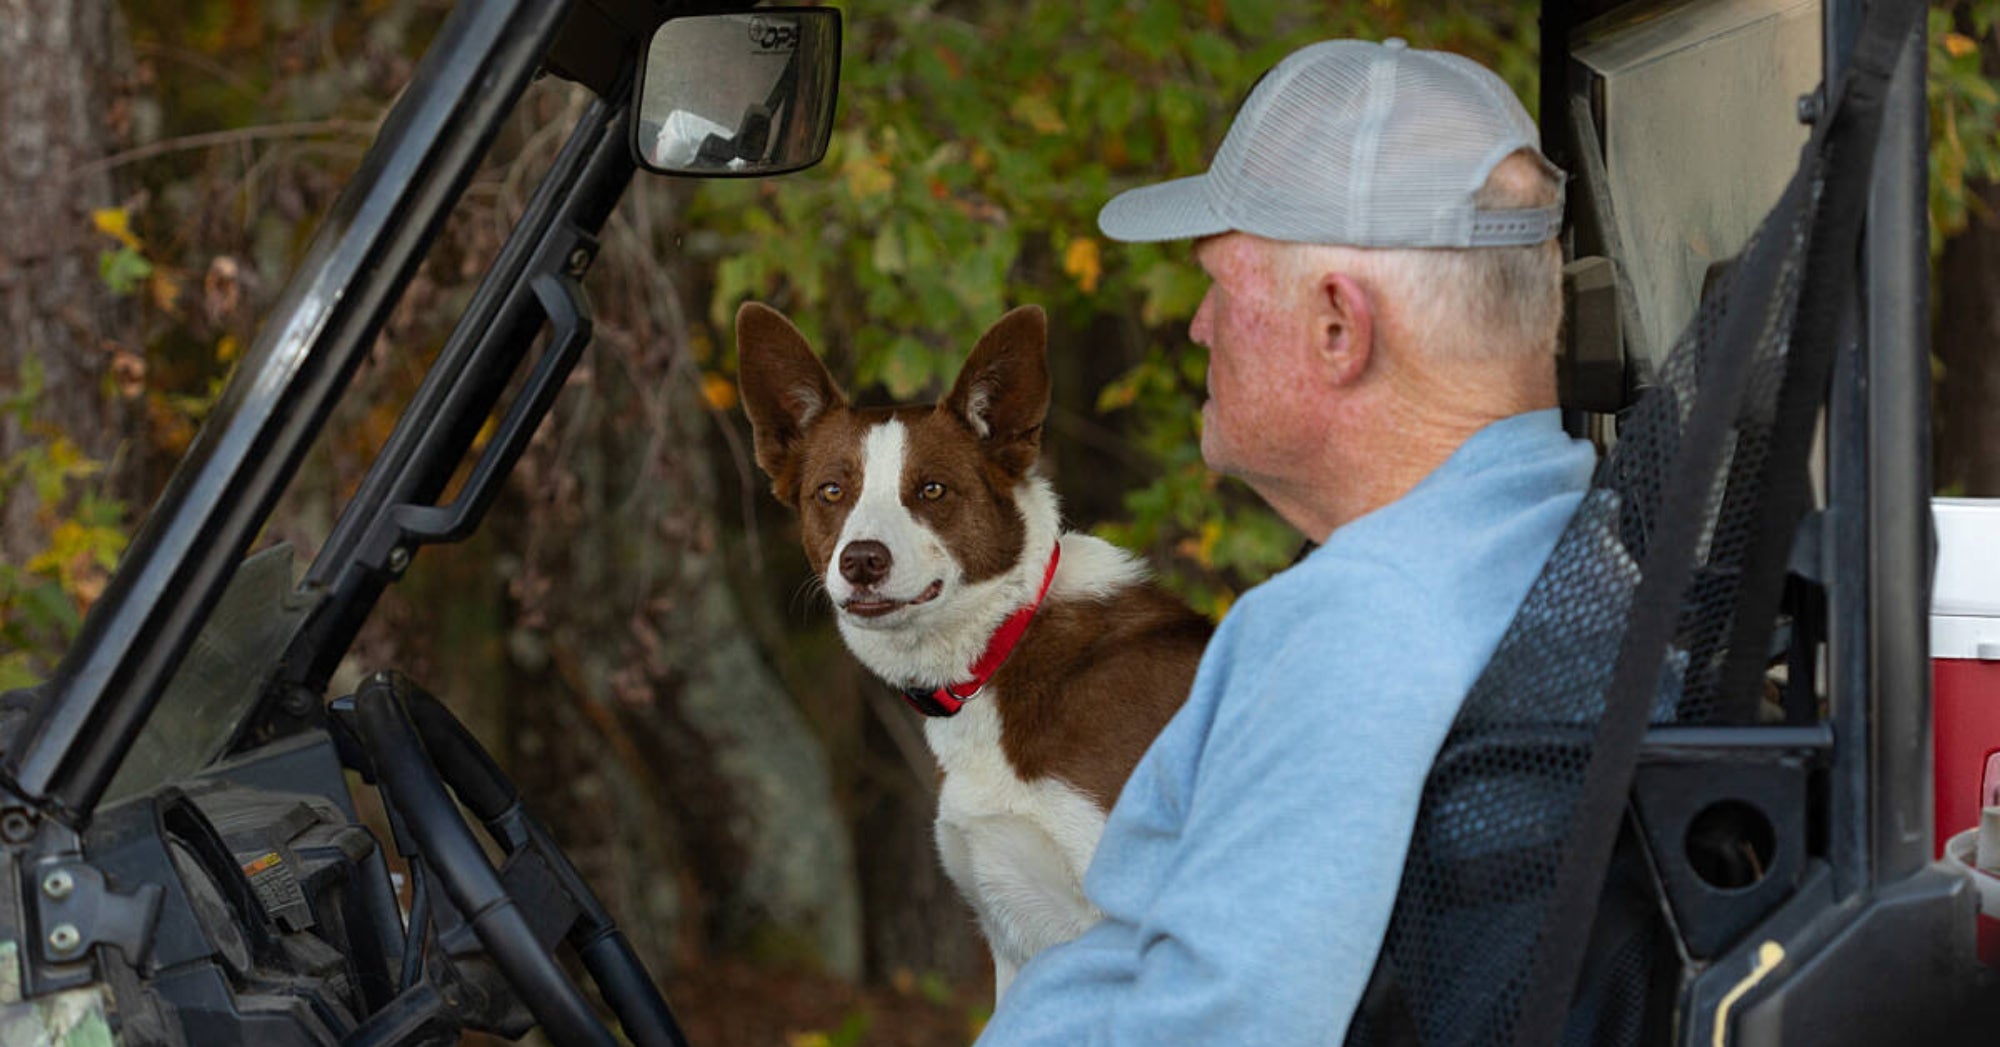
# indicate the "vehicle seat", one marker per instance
pixel 1531 907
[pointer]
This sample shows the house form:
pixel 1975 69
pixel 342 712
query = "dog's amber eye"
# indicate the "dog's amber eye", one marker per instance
pixel 830 493
pixel 931 491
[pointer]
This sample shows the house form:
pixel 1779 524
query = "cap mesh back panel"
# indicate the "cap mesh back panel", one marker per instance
pixel 1501 798
pixel 1346 143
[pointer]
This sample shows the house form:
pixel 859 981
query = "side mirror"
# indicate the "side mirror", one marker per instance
pixel 738 95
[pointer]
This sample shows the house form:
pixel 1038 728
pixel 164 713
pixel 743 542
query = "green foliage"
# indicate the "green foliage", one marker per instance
pixel 123 270
pixel 206 230
pixel 1964 115
pixel 42 600
pixel 975 146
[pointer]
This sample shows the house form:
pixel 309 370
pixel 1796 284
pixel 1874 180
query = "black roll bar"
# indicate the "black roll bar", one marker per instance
pixel 1897 259
pixel 1878 521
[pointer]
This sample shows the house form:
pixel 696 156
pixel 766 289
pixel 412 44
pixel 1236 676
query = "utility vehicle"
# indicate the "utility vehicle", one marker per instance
pixel 1689 803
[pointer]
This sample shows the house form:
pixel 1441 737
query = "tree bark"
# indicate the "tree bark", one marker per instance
pixel 660 733
pixel 1966 338
pixel 1965 335
pixel 54 107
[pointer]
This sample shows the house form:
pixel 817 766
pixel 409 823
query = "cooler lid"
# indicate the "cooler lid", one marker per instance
pixel 1965 590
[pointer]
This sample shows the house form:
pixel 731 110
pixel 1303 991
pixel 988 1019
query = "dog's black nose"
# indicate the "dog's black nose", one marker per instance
pixel 864 562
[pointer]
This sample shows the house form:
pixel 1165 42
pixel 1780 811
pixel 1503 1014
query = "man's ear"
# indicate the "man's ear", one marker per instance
pixel 785 389
pixel 1002 393
pixel 1348 335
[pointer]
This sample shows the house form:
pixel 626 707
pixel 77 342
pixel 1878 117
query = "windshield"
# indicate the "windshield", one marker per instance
pixel 322 326
pixel 217 685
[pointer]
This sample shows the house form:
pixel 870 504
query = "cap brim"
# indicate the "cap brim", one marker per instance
pixel 1176 210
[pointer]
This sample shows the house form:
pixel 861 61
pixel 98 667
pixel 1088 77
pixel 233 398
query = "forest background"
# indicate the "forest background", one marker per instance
pixel 634 631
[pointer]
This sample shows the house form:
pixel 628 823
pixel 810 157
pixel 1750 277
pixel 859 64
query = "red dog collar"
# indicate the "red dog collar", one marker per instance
pixel 949 699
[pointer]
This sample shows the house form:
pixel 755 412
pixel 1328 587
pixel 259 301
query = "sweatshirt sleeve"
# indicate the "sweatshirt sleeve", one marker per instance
pixel 1299 807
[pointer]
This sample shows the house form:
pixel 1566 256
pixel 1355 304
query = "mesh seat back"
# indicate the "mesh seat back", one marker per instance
pixel 1503 796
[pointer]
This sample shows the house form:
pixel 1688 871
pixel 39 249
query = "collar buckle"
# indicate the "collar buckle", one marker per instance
pixel 936 702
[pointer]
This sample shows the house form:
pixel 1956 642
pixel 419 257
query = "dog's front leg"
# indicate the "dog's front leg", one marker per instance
pixel 1028 895
pixel 1004 970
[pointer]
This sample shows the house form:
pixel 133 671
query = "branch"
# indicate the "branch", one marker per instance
pixel 211 139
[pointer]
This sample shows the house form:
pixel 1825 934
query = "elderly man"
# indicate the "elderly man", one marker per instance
pixel 1378 229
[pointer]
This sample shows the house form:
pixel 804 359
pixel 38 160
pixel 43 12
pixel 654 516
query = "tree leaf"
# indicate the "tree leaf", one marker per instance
pixel 887 253
pixel 1083 263
pixel 1038 112
pixel 116 223
pixel 123 270
pixel 908 368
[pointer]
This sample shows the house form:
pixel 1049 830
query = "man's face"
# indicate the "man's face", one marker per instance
pixel 1258 332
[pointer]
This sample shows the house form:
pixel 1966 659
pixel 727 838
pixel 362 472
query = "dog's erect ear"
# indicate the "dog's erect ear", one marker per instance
pixel 785 388
pixel 1003 391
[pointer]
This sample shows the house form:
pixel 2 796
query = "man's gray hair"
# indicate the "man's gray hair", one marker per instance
pixel 1466 303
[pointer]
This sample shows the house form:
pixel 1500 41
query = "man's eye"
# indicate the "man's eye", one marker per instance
pixel 931 491
pixel 830 493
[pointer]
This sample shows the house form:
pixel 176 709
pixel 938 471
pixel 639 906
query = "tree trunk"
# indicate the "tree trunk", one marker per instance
pixel 54 123
pixel 1965 335
pixel 672 755
pixel 1966 339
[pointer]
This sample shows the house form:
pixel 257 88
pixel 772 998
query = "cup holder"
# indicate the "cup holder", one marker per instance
pixel 1730 845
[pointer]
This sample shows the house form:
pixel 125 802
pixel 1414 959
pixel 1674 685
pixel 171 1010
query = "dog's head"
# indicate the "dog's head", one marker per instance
pixel 900 508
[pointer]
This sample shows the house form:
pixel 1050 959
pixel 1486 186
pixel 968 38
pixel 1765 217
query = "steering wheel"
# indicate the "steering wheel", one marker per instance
pixel 417 748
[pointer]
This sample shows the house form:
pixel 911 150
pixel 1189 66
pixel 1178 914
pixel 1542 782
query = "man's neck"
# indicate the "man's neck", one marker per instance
pixel 1383 442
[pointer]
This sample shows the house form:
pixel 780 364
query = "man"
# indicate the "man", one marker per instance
pixel 1378 229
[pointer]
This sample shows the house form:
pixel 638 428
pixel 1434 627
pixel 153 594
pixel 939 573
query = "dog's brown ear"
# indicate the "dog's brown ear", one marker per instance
pixel 785 389
pixel 1003 390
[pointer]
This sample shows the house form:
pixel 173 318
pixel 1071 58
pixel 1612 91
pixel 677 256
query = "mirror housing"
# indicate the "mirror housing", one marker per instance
pixel 747 94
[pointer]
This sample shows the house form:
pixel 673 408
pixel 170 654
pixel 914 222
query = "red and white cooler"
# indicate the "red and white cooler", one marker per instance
pixel 1965 662
pixel 1965 709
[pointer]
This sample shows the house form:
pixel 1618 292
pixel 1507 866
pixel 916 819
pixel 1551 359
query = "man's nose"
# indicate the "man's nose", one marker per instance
pixel 1198 328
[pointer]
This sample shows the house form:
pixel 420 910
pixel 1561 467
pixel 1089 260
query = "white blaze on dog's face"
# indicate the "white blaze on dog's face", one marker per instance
pixel 904 511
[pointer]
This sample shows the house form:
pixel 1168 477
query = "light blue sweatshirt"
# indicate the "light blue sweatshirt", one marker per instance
pixel 1248 870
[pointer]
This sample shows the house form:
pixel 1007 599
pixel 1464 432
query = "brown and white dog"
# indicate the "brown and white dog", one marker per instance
pixel 1047 661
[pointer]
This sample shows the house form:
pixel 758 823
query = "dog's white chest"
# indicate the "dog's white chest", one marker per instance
pixel 1016 849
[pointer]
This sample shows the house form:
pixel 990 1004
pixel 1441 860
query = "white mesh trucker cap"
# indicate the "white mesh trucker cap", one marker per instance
pixel 1354 143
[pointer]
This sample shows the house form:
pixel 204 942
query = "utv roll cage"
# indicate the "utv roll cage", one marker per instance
pixel 226 893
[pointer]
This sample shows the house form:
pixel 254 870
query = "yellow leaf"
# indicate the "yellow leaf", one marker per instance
pixel 1211 532
pixel 115 222
pixel 866 175
pixel 718 392
pixel 68 552
pixel 66 456
pixel 808 1039
pixel 1038 112
pixel 1119 394
pixel 1958 45
pixel 1084 263
pixel 485 434
pixel 45 563
pixel 227 348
